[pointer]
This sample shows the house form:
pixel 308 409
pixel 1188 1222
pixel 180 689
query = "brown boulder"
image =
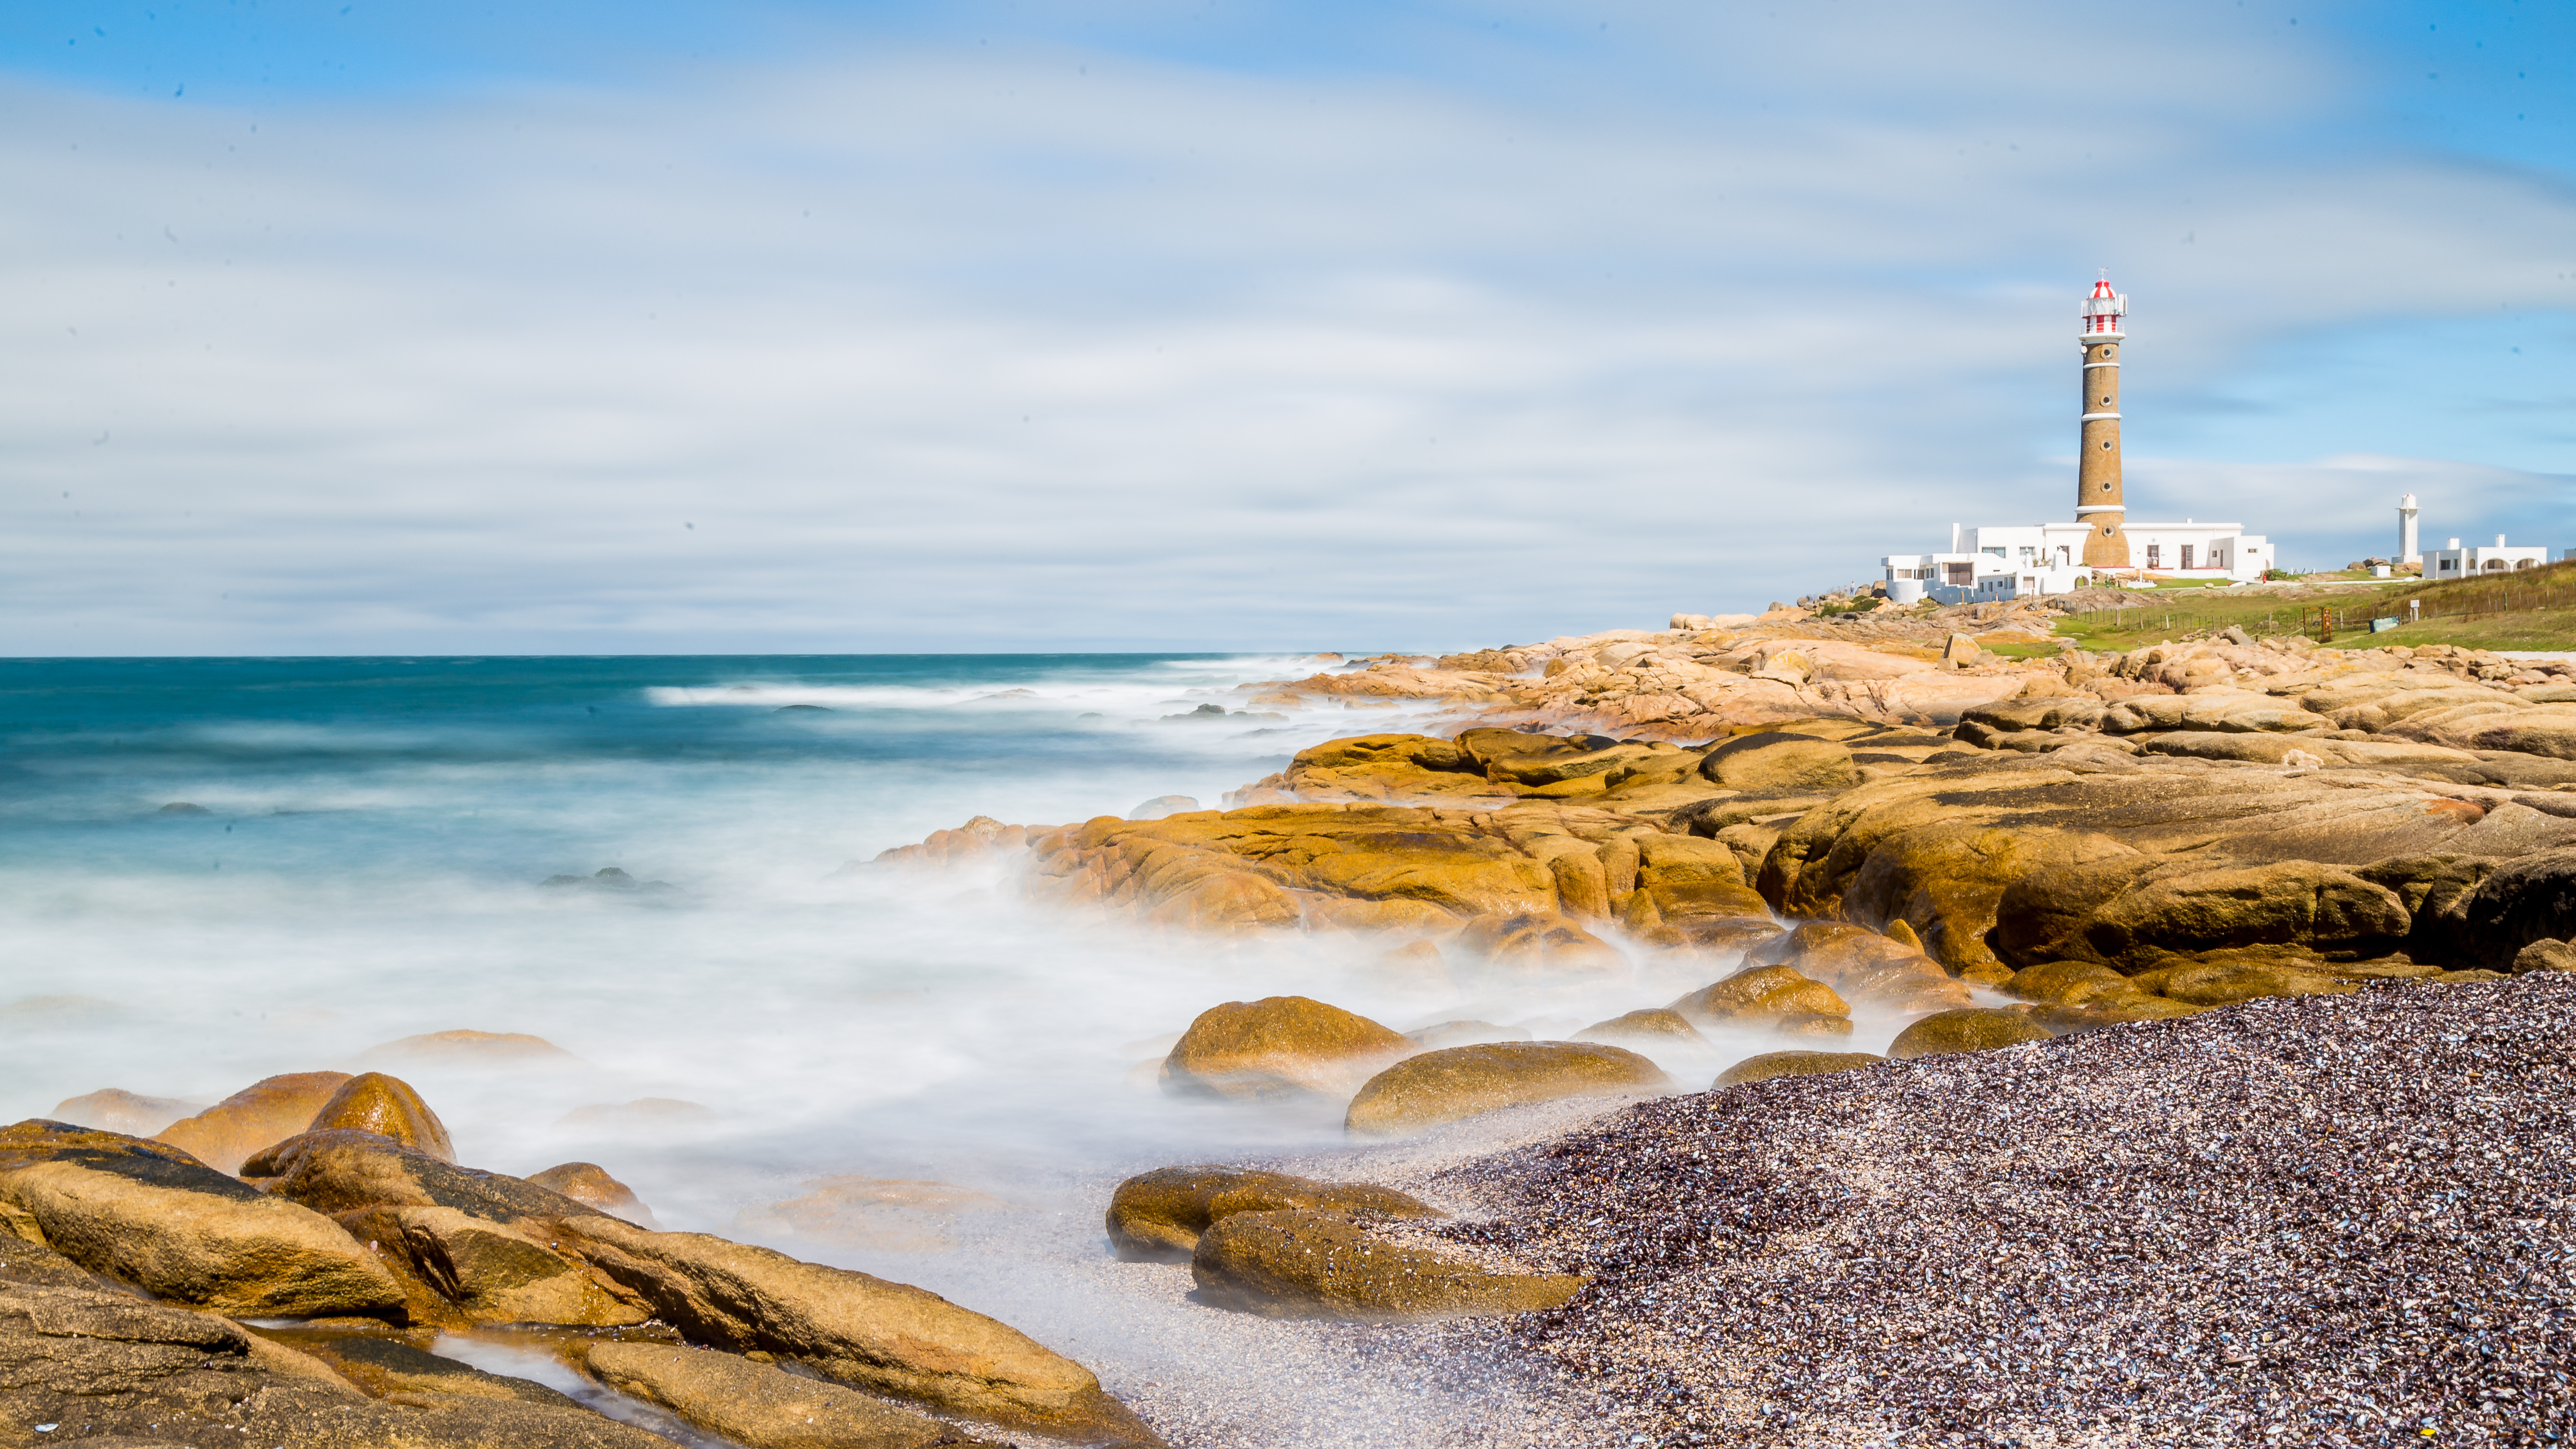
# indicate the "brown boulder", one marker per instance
pixel 588 1183
pixel 1791 1064
pixel 1538 944
pixel 1445 1086
pixel 2220 978
pixel 1391 768
pixel 2069 983
pixel 1316 1265
pixel 1645 1030
pixel 1970 1029
pixel 762 1406
pixel 112 1109
pixel 482 1049
pixel 266 1111
pixel 1759 995
pixel 1158 1216
pixel 388 1107
pixel 852 1328
pixel 2125 916
pixel 1279 1046
pixel 494 1273
pixel 2544 955
pixel 1864 966
pixel 1776 761
pixel 1683 877
pixel 153 1216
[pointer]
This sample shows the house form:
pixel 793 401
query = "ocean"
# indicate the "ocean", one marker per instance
pixel 216 870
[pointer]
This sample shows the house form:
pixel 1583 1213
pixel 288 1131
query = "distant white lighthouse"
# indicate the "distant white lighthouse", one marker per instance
pixel 2407 552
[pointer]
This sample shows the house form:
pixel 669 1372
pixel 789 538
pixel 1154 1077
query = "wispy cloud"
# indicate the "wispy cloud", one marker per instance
pixel 946 344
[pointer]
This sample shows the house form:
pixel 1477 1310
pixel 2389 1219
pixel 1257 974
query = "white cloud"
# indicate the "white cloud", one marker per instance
pixel 1071 348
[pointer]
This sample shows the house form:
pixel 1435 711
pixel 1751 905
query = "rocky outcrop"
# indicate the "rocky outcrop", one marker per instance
pixel 114 1109
pixel 1279 1046
pixel 1445 1086
pixel 147 1214
pixel 1535 945
pixel 269 1110
pixel 1294 1264
pixel 128 1372
pixel 761 1405
pixel 1159 1215
pixel 846 1326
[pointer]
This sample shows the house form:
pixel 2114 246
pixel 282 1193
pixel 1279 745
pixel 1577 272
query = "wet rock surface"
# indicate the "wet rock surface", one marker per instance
pixel 1292 1264
pixel 763 1406
pixel 1444 1086
pixel 270 1110
pixel 1159 1215
pixel 2328 1219
pixel 1279 1046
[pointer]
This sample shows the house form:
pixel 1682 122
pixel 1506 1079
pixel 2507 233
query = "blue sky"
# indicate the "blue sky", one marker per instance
pixel 590 327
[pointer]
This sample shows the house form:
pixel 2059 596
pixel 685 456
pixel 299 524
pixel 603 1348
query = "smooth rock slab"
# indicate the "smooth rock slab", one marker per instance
pixel 1316 1265
pixel 1459 1082
pixel 155 1217
pixel 1159 1215
pixel 763 1407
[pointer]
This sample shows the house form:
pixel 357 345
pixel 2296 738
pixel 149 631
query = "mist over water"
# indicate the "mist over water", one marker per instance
pixel 368 863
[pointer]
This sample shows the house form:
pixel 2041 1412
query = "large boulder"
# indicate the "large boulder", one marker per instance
pixel 388 1107
pixel 852 1328
pixel 847 1326
pixel 495 1273
pixel 1316 1265
pixel 1760 996
pixel 1445 1086
pixel 2123 915
pixel 2220 978
pixel 1537 944
pixel 1764 1067
pixel 153 1216
pixel 2517 903
pixel 1687 877
pixel 1651 1030
pixel 1159 1215
pixel 1394 768
pixel 762 1406
pixel 113 1109
pixel 1868 967
pixel 1279 1046
pixel 269 1110
pixel 1777 761
pixel 1969 1029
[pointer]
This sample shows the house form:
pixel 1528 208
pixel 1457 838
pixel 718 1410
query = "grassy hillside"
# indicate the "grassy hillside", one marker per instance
pixel 2532 609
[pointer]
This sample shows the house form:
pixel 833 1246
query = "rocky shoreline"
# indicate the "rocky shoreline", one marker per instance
pixel 2167 1047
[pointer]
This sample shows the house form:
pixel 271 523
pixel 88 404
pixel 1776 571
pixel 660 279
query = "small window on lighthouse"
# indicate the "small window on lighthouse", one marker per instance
pixel 2106 445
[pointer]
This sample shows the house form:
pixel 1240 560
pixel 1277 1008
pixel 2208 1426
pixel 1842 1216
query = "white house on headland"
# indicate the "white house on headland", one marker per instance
pixel 2456 562
pixel 1987 563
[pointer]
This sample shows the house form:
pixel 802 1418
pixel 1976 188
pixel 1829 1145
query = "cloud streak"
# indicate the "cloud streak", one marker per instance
pixel 939 345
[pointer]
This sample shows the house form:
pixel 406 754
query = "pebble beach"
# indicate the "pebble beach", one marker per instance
pixel 2318 1220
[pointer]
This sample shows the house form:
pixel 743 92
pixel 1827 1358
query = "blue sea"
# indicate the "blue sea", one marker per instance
pixel 216 870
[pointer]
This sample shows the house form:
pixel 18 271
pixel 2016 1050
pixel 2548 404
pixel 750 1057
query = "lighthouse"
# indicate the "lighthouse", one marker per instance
pixel 2407 552
pixel 2098 505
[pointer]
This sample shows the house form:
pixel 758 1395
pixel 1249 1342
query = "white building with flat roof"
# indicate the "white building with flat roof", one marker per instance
pixel 2018 561
pixel 2456 562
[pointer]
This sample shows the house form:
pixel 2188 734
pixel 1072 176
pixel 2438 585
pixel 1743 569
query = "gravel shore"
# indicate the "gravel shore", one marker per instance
pixel 2321 1220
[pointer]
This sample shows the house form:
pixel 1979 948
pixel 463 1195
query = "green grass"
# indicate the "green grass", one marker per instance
pixel 2171 617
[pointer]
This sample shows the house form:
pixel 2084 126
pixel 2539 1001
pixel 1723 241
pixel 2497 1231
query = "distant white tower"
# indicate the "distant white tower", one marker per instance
pixel 2407 552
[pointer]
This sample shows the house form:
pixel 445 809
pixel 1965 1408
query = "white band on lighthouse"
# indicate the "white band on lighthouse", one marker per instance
pixel 2101 508
pixel 2089 417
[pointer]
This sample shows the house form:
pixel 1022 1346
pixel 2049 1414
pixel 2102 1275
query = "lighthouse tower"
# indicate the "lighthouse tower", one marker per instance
pixel 2407 552
pixel 2097 469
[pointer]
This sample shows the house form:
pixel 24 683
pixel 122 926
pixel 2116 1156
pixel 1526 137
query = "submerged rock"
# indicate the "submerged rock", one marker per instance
pixel 762 1406
pixel 1760 996
pixel 1646 1030
pixel 1537 944
pixel 1295 1264
pixel 1445 1086
pixel 470 1049
pixel 266 1111
pixel 1159 1215
pixel 113 1109
pixel 147 1214
pixel 383 1366
pixel 1279 1046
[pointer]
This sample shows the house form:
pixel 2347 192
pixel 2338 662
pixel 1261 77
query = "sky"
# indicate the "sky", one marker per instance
pixel 819 328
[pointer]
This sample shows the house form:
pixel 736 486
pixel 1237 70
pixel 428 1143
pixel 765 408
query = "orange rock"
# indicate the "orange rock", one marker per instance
pixel 588 1182
pixel 1279 1046
pixel 1538 943
pixel 469 1049
pixel 387 1106
pixel 267 1111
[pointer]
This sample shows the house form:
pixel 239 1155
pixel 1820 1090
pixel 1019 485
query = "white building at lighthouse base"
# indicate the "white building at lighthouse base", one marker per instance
pixel 1984 564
